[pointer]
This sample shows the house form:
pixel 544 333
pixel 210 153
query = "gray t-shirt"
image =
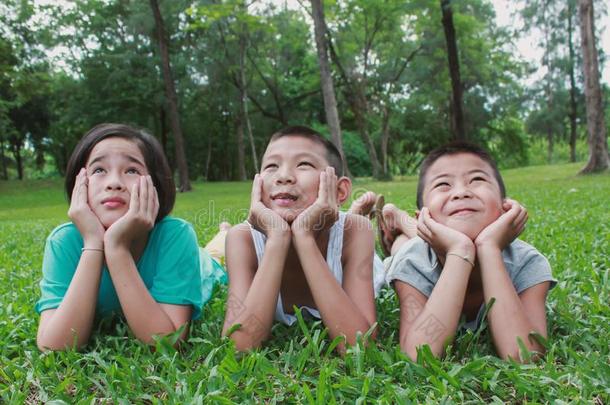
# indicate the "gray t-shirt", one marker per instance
pixel 417 265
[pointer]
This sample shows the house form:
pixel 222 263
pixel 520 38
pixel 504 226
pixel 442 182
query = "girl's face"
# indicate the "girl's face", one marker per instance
pixel 114 166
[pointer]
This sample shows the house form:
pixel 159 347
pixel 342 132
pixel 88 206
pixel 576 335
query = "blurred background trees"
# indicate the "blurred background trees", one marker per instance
pixel 242 69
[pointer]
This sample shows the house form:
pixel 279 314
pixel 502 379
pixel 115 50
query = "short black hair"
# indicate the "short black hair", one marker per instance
pixel 151 149
pixel 454 148
pixel 333 156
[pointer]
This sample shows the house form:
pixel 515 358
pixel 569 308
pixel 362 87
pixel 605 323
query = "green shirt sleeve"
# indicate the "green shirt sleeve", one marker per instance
pixel 61 256
pixel 177 279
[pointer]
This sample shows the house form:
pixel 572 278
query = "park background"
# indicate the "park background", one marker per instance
pixel 212 80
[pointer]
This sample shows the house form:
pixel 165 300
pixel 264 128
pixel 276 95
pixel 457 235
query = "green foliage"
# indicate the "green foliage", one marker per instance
pixel 569 223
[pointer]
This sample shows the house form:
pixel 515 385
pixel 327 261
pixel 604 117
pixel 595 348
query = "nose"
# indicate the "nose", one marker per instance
pixel 284 176
pixel 114 181
pixel 461 191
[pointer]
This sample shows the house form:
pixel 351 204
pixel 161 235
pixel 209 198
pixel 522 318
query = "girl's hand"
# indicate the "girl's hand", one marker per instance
pixel 80 212
pixel 139 218
pixel 505 229
pixel 442 238
pixel 262 218
pixel 324 212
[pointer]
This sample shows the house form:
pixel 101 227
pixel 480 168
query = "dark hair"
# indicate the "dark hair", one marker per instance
pixel 454 148
pixel 154 158
pixel 332 153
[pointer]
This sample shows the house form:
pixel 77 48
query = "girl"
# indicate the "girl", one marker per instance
pixel 121 252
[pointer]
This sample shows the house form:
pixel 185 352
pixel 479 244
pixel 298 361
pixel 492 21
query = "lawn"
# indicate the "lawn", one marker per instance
pixel 569 223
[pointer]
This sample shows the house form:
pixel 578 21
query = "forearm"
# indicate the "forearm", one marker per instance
pixel 339 313
pixel 437 321
pixel 507 318
pixel 255 312
pixel 72 321
pixel 145 316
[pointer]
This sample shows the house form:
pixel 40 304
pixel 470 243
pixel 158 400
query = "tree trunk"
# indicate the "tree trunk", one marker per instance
pixel 16 150
pixel 573 107
pixel 457 105
pixel 243 95
pixel 326 81
pixel 241 159
pixel 598 144
pixel 385 138
pixel 359 107
pixel 3 161
pixel 172 99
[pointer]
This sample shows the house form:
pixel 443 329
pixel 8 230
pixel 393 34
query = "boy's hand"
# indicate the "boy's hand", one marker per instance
pixel 80 212
pixel 505 229
pixel 324 212
pixel 262 218
pixel 442 238
pixel 139 218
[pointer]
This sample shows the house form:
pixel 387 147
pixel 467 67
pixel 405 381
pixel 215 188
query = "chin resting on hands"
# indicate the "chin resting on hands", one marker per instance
pixel 262 218
pixel 324 212
pixel 443 239
pixel 500 233
pixel 139 218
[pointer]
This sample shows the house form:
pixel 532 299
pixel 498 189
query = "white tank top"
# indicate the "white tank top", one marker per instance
pixel 333 258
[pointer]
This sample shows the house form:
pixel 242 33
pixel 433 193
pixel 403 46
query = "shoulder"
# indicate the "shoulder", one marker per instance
pixel 519 254
pixel 239 233
pixel 65 232
pixel 172 226
pixel 416 264
pixel 356 226
pixel 526 266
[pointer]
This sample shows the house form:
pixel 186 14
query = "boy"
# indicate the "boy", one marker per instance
pixel 297 249
pixel 466 254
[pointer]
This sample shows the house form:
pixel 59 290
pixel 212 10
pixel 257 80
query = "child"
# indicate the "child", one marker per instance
pixel 297 249
pixel 466 255
pixel 121 252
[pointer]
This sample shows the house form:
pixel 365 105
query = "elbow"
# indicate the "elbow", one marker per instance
pixel 50 345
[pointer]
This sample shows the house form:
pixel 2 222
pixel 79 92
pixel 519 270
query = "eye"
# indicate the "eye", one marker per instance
pixel 305 164
pixel 270 166
pixel 441 184
pixel 97 170
pixel 132 170
pixel 478 178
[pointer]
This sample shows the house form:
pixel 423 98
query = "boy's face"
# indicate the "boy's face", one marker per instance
pixel 113 167
pixel 462 193
pixel 290 172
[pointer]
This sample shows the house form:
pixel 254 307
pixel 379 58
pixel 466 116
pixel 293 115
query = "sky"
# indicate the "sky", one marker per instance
pixel 506 16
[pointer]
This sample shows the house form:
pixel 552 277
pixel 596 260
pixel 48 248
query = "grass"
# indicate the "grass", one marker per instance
pixel 569 223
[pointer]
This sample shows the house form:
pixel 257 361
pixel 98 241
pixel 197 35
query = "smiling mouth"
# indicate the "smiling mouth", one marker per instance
pixel 284 199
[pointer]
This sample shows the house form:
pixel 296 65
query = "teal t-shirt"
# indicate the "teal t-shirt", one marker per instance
pixel 169 267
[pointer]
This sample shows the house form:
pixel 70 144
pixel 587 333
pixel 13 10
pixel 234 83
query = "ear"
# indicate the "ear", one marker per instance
pixel 344 189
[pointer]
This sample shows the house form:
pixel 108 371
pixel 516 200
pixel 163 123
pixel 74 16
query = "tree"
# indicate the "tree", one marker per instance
pixel 457 105
pixel 326 80
pixel 598 144
pixel 172 99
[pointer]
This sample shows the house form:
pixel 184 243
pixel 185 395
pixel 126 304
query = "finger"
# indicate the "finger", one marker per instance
pixel 150 199
pixel 143 196
pixel 521 218
pixel 155 203
pixel 77 191
pixel 332 186
pixel 422 227
pixel 256 189
pixel 134 203
pixel 322 191
pixel 427 220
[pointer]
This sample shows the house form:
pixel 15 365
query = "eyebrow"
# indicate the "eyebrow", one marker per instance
pixel 298 156
pixel 470 172
pixel 128 157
